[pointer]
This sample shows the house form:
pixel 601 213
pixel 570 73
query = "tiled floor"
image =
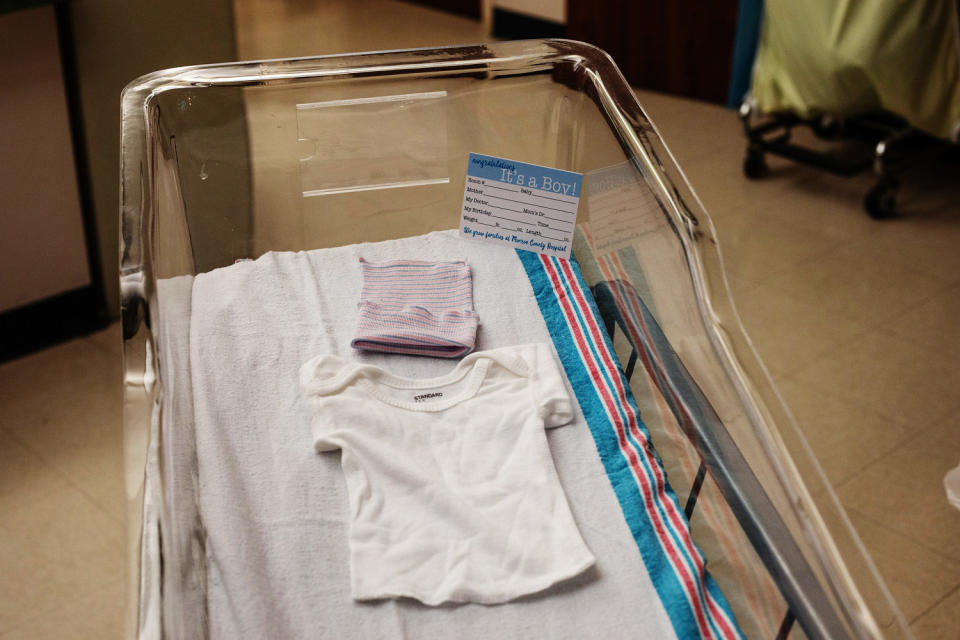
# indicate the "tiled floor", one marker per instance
pixel 857 320
pixel 62 530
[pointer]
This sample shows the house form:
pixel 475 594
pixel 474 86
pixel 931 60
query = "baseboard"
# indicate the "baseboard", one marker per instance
pixel 512 25
pixel 468 8
pixel 42 324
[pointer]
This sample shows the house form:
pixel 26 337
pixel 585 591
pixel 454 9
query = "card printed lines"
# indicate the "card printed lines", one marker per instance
pixel 523 206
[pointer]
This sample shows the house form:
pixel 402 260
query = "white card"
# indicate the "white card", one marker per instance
pixel 521 205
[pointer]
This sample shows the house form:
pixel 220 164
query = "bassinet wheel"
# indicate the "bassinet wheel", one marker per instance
pixel 881 200
pixel 826 127
pixel 754 165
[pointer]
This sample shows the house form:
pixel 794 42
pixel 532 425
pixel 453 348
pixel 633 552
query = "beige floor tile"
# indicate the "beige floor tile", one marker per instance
pixel 926 242
pixel 803 197
pixel 70 415
pixel 738 286
pixel 789 333
pixel 54 551
pixel 96 468
pixel 904 491
pixel 756 250
pixel 844 437
pixel 860 287
pixel 108 339
pixel 881 372
pixel 24 476
pixel 942 622
pixel 63 367
pixel 95 614
pixel 934 324
pixel 286 29
pixel 917 577
pixel 925 245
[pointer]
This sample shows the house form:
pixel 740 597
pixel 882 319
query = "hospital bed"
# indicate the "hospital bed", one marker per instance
pixel 883 79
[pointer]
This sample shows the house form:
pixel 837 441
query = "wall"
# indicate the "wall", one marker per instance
pixel 42 249
pixel 115 42
pixel 683 47
pixel 553 10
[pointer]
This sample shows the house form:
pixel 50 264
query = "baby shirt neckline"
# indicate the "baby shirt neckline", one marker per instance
pixel 371 378
pixel 474 376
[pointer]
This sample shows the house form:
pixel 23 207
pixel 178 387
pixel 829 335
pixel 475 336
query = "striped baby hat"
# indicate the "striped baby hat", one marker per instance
pixel 416 307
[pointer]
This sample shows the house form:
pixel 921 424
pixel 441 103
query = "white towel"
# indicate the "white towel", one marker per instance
pixel 275 510
pixel 182 542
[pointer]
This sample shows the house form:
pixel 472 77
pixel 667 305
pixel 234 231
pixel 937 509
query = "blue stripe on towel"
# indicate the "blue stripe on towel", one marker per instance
pixel 691 598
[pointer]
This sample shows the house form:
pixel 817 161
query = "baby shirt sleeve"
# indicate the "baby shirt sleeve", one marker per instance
pixel 320 404
pixel 549 388
pixel 322 427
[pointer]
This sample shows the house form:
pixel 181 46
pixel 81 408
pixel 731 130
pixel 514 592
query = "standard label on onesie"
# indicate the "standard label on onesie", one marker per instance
pixel 524 206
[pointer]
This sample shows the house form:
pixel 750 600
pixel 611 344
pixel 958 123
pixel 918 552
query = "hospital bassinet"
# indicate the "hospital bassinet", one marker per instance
pixel 225 163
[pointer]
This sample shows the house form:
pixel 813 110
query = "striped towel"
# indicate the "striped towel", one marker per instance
pixel 416 307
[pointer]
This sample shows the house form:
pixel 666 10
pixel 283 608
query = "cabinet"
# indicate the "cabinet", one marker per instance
pixel 46 283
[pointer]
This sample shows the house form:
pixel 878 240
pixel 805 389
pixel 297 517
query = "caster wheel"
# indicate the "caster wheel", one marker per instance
pixel 881 201
pixel 130 322
pixel 826 127
pixel 754 165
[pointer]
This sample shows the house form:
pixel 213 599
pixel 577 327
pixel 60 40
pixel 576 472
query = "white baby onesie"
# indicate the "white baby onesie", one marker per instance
pixel 452 489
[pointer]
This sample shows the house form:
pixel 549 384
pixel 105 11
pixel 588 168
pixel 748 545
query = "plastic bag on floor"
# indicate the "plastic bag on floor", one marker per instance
pixel 951 483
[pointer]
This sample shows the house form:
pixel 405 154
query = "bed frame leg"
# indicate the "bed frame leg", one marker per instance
pixel 631 364
pixel 695 491
pixel 785 626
